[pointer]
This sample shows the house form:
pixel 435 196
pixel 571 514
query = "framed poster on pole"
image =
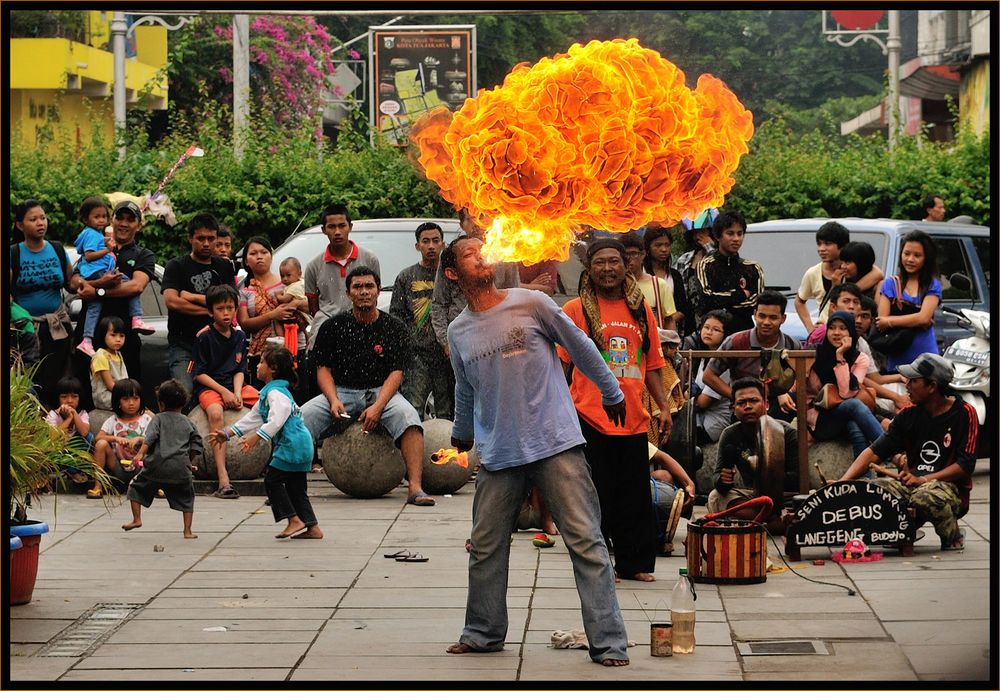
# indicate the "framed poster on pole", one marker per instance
pixel 415 69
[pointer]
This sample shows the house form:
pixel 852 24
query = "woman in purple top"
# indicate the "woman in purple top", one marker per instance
pixel 917 274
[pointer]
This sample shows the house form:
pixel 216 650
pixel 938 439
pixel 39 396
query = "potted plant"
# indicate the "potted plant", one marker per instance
pixel 38 453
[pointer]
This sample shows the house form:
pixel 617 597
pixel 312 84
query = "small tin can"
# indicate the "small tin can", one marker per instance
pixel 661 640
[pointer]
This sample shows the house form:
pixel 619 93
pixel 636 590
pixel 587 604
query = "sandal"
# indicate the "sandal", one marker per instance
pixel 420 499
pixel 226 492
pixel 94 494
pixel 542 540
pixel 399 554
pixel 417 556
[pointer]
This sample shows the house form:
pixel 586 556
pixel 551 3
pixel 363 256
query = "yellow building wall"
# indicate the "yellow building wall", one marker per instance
pixel 67 87
pixel 974 97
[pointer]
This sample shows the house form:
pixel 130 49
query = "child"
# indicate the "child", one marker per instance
pixel 70 419
pixel 669 502
pixel 97 259
pixel 107 365
pixel 295 287
pixel 219 366
pixel 169 446
pixel 276 418
pixel 223 246
pixel 122 433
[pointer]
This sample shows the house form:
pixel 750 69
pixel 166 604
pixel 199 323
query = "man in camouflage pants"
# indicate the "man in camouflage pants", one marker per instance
pixel 938 435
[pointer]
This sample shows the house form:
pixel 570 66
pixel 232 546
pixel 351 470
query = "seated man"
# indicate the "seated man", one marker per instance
pixel 360 356
pixel 742 471
pixel 938 435
pixel 672 492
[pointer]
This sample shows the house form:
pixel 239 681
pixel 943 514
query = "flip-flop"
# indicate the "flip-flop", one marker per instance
pixel 413 499
pixel 397 555
pixel 304 535
pixel 542 540
pixel 284 536
pixel 417 556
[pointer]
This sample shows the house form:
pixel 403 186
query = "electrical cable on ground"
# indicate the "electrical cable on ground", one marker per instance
pixel 850 591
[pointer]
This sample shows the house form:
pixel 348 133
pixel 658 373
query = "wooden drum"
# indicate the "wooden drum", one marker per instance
pixel 726 551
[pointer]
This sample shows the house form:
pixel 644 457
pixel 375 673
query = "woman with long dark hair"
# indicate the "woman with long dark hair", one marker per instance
pixel 917 284
pixel 39 271
pixel 843 367
pixel 260 314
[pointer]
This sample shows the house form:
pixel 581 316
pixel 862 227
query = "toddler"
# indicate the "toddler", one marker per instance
pixel 294 293
pixel 171 442
pixel 97 259
pixel 68 417
pixel 276 418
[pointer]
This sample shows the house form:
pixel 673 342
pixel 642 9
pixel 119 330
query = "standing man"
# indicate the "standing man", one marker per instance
pixel 612 311
pixel 449 300
pixel 725 280
pixel 511 400
pixel 429 370
pixel 934 208
pixel 325 275
pixel 185 280
pixel 133 261
pixel 938 434
pixel 360 356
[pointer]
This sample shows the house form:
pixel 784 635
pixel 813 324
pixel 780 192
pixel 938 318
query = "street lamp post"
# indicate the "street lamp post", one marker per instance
pixel 241 82
pixel 893 45
pixel 118 29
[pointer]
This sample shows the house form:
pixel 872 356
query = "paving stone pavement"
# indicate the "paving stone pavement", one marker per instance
pixel 238 605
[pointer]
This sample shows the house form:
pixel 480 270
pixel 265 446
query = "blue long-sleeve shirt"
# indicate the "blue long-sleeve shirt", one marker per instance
pixel 511 396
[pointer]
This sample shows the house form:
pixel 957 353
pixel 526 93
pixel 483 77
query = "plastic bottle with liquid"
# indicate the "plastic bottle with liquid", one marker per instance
pixel 682 613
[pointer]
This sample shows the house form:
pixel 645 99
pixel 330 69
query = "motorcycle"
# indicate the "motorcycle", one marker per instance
pixel 971 359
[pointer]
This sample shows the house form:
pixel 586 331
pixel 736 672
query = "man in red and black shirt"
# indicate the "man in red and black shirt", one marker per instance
pixel 938 434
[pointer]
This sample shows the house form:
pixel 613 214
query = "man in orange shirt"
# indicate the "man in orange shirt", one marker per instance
pixel 612 311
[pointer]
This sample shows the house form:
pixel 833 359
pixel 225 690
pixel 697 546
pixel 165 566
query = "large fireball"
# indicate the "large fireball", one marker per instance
pixel 605 136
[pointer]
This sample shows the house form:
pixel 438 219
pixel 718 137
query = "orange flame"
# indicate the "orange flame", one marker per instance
pixel 443 456
pixel 605 136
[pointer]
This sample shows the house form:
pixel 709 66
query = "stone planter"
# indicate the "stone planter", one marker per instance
pixel 364 466
pixel 447 478
pixel 240 464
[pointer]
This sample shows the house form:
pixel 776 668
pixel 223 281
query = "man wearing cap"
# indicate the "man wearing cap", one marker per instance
pixel 135 263
pixel 612 311
pixel 938 435
pixel 185 280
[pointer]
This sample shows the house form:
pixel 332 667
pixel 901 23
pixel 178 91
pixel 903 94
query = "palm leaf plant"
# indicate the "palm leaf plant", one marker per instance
pixel 38 451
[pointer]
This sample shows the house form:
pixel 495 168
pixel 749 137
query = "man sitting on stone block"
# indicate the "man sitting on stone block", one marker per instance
pixel 744 469
pixel 938 434
pixel 360 357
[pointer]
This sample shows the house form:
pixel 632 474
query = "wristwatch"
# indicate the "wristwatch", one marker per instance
pixel 101 292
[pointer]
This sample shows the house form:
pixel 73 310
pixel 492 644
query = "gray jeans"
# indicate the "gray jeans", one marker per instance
pixel 564 481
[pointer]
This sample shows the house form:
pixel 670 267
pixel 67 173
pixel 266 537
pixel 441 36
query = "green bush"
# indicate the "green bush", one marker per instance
pixel 282 179
pixel 285 179
pixel 786 176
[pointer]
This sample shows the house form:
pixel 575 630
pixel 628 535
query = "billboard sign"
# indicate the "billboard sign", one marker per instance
pixel 415 69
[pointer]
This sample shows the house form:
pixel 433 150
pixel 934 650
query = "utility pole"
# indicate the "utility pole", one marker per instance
pixel 241 82
pixel 893 45
pixel 118 29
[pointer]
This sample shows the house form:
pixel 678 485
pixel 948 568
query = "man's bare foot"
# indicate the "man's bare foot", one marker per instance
pixel 460 649
pixel 132 526
pixel 642 576
pixel 608 662
pixel 295 525
pixel 188 535
pixel 312 533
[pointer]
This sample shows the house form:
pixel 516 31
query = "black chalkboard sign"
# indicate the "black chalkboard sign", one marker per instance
pixel 844 511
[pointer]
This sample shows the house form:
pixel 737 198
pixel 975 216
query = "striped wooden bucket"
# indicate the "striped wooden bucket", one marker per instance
pixel 728 551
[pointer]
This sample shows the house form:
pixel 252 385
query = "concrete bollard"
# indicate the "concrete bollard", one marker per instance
pixel 364 466
pixel 239 464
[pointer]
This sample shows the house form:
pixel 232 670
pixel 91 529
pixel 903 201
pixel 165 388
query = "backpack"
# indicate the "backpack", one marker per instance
pixel 775 369
pixel 15 260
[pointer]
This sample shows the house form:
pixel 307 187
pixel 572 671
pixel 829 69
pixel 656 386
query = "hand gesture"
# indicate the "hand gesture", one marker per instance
pixel 845 345
pixel 369 417
pixel 248 442
pixel 135 443
pixel 666 425
pixel 882 323
pixel 283 312
pixel 337 409
pixel 218 437
pixel 786 403
pixel 231 401
pixel 66 411
pixel 616 413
